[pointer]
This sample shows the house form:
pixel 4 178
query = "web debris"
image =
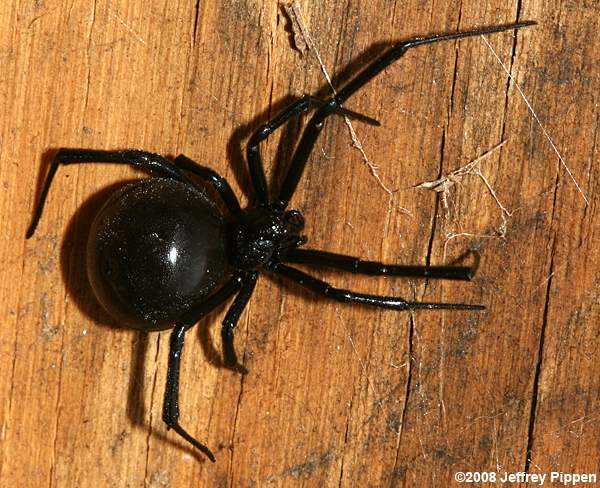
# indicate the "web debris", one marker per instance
pixel 293 12
pixel 445 183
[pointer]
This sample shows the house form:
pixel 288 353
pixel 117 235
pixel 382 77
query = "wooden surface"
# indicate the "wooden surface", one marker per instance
pixel 336 395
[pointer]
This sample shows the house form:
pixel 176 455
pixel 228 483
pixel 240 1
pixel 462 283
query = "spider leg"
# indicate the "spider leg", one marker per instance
pixel 255 165
pixel 231 320
pixel 314 127
pixel 153 163
pixel 313 257
pixel 395 303
pixel 219 183
pixel 171 401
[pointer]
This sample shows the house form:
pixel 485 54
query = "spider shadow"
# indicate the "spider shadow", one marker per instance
pixel 73 257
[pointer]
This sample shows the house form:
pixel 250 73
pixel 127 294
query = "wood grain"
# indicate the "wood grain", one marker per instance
pixel 336 395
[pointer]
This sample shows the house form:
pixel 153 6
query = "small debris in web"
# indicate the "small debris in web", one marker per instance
pixel 445 183
pixel 297 26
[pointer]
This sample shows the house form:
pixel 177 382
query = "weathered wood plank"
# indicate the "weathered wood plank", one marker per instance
pixel 336 395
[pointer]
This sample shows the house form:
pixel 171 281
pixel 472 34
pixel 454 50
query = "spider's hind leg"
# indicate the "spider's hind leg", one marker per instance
pixel 214 179
pixel 171 400
pixel 151 162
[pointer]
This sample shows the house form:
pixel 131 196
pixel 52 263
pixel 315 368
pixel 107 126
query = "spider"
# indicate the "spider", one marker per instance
pixel 163 251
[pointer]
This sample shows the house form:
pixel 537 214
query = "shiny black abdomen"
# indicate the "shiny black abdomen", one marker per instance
pixel 155 248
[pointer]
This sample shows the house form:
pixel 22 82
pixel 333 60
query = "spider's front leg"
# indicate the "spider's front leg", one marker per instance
pixel 315 125
pixel 255 165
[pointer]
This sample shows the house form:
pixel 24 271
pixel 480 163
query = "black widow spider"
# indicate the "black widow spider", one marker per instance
pixel 162 252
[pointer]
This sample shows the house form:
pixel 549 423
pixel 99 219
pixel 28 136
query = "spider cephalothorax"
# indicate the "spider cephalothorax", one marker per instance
pixel 261 234
pixel 162 253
